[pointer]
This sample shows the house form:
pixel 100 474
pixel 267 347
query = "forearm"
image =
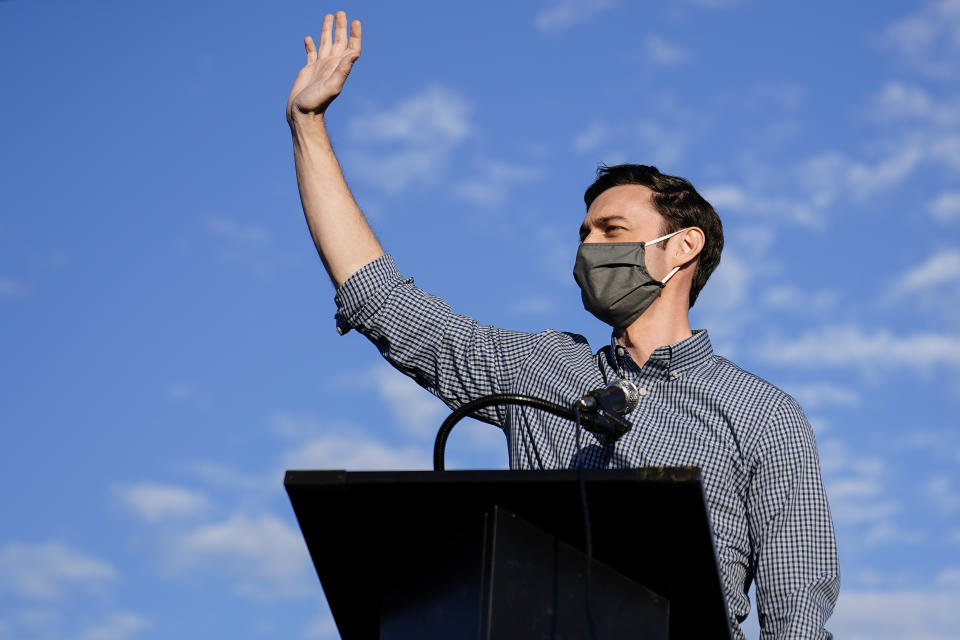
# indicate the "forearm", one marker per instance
pixel 340 232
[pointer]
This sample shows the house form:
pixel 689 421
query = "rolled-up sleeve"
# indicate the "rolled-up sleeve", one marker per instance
pixel 791 531
pixel 452 356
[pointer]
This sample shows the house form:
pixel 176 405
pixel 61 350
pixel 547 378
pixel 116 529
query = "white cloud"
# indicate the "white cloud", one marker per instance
pixel 852 347
pixel 11 287
pixel 238 233
pixel 245 244
pixel 595 135
pixel 946 206
pixel 155 502
pixel 119 626
pixel 663 52
pixel 535 305
pixel 941 268
pixel 267 557
pixel 899 101
pixel 180 391
pixel 221 475
pixel 907 614
pixel 356 453
pixel 492 185
pixel 824 394
pixel 322 628
pixel 728 197
pixel 789 297
pixel 410 142
pixel 434 116
pixel 865 180
pixel 724 196
pixel 414 409
pixel 929 39
pixel 48 571
pixel 860 501
pixel 563 14
pixel 941 490
pixel 717 4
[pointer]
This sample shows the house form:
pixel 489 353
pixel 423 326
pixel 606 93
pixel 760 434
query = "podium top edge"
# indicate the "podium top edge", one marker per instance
pixel 327 477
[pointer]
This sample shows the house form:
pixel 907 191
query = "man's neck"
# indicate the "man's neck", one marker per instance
pixel 659 326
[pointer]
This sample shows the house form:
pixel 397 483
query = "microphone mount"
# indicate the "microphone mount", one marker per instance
pixel 592 415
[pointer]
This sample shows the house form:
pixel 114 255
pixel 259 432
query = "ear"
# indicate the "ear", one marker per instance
pixel 688 246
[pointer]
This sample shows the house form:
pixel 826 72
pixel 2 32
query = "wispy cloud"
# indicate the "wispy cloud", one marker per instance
pixel 792 298
pixel 436 115
pixel 238 233
pixel 356 453
pixel 563 14
pixel 928 39
pixel 409 142
pixel 155 502
pixel 246 243
pixel 490 184
pixel 50 570
pixel 415 410
pixel 661 51
pixel 661 137
pixel 941 268
pixel 265 556
pixel 897 614
pixel 852 347
pixel 946 206
pixel 860 499
pixel 12 287
pixel 823 394
pixel 898 101
pixel 118 626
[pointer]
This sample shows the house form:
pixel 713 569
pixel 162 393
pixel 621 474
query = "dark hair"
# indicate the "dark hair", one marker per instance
pixel 679 204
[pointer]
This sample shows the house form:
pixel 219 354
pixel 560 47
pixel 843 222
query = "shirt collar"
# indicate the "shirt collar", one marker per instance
pixel 678 357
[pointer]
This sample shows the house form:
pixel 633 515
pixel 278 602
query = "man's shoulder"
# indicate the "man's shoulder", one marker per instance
pixel 770 412
pixel 745 388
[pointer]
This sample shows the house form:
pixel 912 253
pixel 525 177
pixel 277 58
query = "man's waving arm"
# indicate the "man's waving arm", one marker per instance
pixel 452 356
pixel 341 234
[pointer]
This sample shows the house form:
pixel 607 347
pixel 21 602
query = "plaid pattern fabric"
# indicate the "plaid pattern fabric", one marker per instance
pixel 752 442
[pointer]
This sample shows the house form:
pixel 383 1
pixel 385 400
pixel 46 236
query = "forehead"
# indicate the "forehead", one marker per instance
pixel 634 202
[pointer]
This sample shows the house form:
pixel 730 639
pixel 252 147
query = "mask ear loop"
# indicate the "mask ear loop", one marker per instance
pixel 670 275
pixel 661 239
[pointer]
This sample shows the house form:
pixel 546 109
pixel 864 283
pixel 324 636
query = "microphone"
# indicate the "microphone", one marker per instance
pixel 602 410
pixel 619 397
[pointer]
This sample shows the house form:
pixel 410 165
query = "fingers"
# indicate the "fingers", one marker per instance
pixel 325 34
pixel 355 37
pixel 340 34
pixel 311 49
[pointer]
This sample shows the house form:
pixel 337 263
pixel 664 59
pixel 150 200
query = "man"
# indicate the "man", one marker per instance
pixel 649 243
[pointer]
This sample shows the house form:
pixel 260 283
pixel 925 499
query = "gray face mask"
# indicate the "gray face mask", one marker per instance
pixel 614 282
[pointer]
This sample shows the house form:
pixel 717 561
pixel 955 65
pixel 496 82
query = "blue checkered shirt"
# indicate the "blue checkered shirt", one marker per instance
pixel 756 450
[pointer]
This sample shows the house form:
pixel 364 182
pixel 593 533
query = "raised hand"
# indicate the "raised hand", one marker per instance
pixel 321 79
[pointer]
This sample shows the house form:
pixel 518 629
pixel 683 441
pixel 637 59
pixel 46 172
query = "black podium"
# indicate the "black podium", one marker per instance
pixel 499 554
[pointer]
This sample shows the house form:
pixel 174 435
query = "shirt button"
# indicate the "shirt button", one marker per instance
pixel 642 391
pixel 674 375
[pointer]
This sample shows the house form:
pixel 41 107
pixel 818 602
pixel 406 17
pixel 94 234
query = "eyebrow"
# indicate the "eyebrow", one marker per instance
pixel 584 229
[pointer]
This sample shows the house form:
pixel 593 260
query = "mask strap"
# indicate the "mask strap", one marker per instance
pixel 670 275
pixel 662 238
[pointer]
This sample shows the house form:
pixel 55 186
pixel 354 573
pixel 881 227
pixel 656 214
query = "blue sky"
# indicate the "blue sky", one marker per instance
pixel 168 347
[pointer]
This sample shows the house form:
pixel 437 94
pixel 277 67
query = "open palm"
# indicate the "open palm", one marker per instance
pixel 322 78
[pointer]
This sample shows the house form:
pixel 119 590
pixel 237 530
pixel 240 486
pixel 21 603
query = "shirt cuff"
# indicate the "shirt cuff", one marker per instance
pixel 364 292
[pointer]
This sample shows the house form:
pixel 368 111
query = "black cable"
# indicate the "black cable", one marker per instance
pixel 480 403
pixel 588 534
pixel 596 420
